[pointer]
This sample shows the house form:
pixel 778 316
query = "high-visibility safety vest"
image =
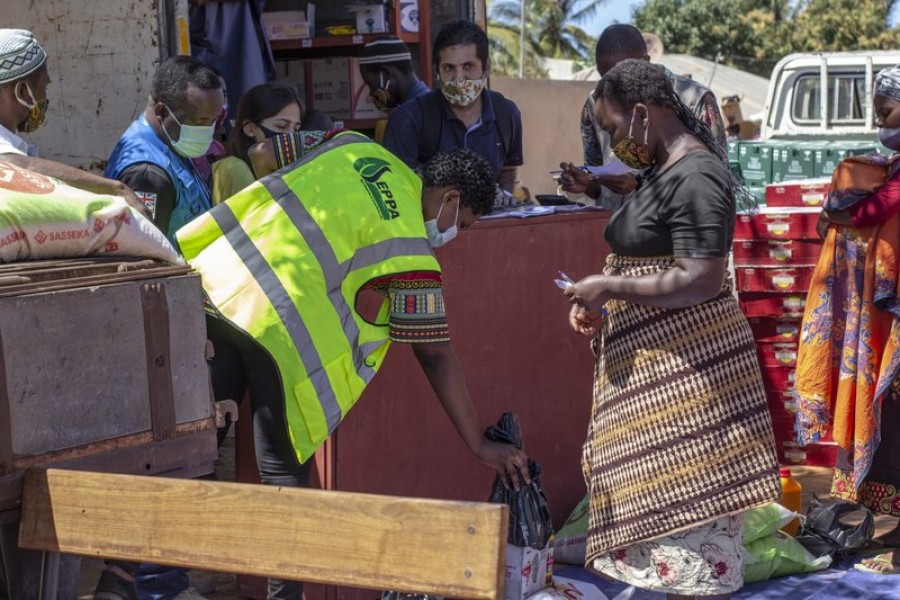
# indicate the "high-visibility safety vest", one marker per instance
pixel 284 260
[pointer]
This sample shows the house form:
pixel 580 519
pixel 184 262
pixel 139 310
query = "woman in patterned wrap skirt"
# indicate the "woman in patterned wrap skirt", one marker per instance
pixel 680 439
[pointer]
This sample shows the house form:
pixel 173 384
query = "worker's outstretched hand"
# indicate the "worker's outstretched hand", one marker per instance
pixel 132 200
pixel 506 459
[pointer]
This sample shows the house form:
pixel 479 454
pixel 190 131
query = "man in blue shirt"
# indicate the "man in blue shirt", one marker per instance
pixel 462 113
pixel 154 155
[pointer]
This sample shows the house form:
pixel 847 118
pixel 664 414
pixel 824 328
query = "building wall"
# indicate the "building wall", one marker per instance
pixel 550 117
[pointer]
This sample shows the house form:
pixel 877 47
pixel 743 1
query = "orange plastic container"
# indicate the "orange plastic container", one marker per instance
pixel 791 499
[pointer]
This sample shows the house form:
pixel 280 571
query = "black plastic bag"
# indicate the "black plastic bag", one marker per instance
pixel 823 532
pixel 529 515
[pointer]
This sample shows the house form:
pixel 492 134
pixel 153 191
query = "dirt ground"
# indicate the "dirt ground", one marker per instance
pixel 815 481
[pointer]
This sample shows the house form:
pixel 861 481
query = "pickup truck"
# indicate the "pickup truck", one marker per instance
pixel 797 109
pixel 818 111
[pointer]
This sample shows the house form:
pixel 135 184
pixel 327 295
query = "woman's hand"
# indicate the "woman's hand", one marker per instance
pixel 506 459
pixel 590 292
pixel 573 179
pixel 584 321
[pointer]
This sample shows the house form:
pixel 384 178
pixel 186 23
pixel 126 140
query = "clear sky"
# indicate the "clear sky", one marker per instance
pixel 619 11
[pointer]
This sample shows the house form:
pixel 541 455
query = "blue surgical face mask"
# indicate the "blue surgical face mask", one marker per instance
pixel 194 140
pixel 436 237
pixel 890 137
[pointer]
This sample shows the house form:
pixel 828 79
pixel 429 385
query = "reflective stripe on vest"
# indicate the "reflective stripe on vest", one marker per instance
pixel 362 344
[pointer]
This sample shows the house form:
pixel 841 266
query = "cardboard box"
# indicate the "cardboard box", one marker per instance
pixel 777 355
pixel 361 104
pixel 774 279
pixel 755 159
pixel 331 86
pixel 830 155
pixel 526 571
pixel 799 193
pixel 776 252
pixel 797 161
pixel 772 304
pixel 294 72
pixel 286 24
pixel 370 18
pixel 733 150
pixel 767 330
pixel 777 224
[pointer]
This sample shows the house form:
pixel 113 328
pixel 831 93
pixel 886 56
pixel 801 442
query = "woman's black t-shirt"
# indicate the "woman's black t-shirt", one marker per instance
pixel 687 211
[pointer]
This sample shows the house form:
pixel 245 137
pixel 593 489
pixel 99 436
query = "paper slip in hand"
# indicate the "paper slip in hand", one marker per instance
pixel 616 167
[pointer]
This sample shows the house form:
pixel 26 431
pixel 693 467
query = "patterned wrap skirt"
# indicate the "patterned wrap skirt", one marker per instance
pixel 680 434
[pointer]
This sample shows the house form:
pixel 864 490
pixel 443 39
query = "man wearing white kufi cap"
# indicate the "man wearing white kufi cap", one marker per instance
pixel 23 107
pixel 23 88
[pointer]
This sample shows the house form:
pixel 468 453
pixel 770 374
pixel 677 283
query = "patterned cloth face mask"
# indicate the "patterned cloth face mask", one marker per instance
pixel 37 111
pixel 463 92
pixel 634 155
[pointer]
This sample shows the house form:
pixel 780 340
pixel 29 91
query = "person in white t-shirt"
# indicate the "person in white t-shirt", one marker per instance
pixel 23 107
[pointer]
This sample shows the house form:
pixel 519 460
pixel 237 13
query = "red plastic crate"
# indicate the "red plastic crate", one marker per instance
pixel 781 405
pixel 821 454
pixel 777 224
pixel 779 380
pixel 803 192
pixel 774 279
pixel 777 355
pixel 772 304
pixel 773 253
pixel 771 330
pixel 813 455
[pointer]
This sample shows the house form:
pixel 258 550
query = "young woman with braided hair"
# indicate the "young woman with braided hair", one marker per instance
pixel 680 440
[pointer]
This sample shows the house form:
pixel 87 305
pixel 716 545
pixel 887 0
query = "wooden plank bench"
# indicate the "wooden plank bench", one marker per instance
pixel 452 549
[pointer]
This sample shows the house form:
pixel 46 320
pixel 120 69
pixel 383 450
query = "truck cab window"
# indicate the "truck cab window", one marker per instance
pixel 846 103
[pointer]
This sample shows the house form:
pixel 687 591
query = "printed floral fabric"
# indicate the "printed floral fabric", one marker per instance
pixel 850 339
pixel 881 498
pixel 704 561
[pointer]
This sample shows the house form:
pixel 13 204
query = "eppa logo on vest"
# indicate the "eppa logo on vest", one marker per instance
pixel 371 170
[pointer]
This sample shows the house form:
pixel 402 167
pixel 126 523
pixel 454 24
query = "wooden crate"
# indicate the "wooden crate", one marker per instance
pixel 103 368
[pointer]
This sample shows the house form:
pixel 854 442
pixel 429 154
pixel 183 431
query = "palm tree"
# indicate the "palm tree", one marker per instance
pixel 551 31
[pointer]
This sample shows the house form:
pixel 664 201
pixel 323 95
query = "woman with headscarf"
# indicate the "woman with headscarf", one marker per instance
pixel 848 370
pixel 680 439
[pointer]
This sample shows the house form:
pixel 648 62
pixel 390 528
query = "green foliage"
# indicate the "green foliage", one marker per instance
pixel 755 34
pixel 551 31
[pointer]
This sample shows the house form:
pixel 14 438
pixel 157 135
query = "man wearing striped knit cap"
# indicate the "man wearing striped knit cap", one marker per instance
pixel 386 66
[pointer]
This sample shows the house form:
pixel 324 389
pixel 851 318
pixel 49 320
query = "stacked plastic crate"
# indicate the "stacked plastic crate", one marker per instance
pixel 775 252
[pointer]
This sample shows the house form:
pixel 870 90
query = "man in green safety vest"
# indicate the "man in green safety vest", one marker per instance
pixel 283 263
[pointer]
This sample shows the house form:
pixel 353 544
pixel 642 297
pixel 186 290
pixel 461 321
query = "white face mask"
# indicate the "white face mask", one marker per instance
pixel 436 237
pixel 194 140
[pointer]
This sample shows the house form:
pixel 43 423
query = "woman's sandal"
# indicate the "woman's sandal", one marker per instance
pixel 885 565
